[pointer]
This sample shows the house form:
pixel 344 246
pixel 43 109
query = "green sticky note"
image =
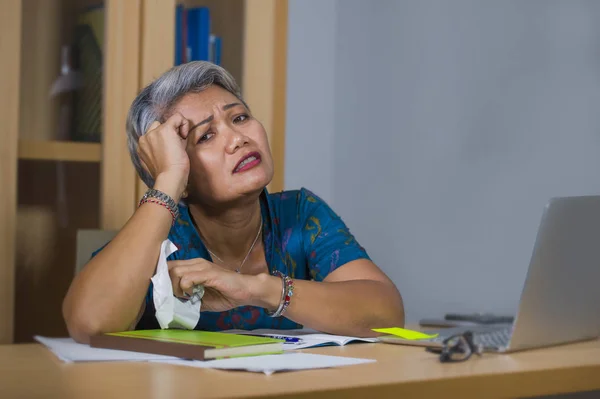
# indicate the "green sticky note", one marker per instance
pixel 404 333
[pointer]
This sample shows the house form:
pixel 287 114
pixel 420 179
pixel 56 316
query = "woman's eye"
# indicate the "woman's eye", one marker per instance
pixel 206 136
pixel 240 118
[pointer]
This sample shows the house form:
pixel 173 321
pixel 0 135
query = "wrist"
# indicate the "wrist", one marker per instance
pixel 170 184
pixel 265 291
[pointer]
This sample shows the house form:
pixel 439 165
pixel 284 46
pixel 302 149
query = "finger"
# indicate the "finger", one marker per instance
pixel 145 166
pixel 141 155
pixel 182 271
pixel 176 283
pixel 183 278
pixel 183 287
pixel 180 123
pixel 187 282
pixel 153 126
pixel 176 275
pixel 184 128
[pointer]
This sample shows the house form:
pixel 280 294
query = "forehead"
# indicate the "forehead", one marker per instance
pixel 203 103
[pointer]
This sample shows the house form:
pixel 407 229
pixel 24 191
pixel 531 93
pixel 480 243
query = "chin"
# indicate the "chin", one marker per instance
pixel 254 179
pixel 255 184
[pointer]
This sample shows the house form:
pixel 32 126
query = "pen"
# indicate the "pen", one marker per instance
pixel 288 340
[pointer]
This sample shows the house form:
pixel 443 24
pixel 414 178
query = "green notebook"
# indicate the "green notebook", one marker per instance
pixel 188 344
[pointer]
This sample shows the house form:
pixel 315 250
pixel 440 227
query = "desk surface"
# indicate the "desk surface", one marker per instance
pixel 29 370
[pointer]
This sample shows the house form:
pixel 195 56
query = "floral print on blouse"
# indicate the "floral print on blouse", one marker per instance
pixel 303 238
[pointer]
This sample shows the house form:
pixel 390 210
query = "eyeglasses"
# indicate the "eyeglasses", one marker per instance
pixel 457 348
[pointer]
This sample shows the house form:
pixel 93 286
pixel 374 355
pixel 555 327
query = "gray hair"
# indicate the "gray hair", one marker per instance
pixel 157 99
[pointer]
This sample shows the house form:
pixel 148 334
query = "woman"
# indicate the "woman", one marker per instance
pixel 282 260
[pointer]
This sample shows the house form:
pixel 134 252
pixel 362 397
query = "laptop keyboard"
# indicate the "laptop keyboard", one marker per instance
pixel 488 337
pixel 495 338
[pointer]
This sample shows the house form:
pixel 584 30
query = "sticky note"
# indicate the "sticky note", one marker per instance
pixel 404 333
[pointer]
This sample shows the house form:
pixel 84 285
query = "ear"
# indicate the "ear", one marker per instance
pixel 186 192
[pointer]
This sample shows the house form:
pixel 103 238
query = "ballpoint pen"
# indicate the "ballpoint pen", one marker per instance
pixel 288 340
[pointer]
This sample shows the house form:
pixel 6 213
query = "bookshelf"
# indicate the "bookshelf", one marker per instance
pixel 254 34
pixel 54 183
pixel 10 30
pixel 66 151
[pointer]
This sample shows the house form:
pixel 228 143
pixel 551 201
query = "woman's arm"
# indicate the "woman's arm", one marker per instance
pixel 108 294
pixel 351 300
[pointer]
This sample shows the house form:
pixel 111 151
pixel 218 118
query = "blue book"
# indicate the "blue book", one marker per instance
pixel 179 35
pixel 215 49
pixel 198 24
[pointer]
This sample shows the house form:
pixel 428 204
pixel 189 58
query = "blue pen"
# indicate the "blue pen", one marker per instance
pixel 288 340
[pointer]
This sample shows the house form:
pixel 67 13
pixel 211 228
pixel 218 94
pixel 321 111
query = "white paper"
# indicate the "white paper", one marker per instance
pixel 171 312
pixel 309 338
pixel 270 364
pixel 67 350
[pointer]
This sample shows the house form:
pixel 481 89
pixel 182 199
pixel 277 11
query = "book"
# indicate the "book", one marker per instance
pixel 303 338
pixel 198 33
pixel 180 34
pixel 214 54
pixel 88 46
pixel 188 344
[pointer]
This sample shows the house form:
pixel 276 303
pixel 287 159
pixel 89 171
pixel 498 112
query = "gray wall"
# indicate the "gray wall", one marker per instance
pixel 446 128
pixel 310 96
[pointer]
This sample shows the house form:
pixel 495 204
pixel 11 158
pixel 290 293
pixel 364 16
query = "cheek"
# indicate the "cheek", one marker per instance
pixel 266 150
pixel 261 139
pixel 202 165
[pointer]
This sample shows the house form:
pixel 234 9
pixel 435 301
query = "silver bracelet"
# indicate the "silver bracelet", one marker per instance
pixel 279 310
pixel 165 198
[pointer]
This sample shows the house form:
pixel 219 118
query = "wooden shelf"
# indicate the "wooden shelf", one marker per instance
pixel 59 151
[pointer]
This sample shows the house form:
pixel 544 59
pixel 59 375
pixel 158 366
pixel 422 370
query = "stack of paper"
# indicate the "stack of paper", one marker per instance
pixel 68 350
pixel 270 364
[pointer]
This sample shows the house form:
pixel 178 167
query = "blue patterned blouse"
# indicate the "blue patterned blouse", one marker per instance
pixel 302 237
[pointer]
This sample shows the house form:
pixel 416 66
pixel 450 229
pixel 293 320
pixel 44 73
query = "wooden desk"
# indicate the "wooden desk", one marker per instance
pixel 30 371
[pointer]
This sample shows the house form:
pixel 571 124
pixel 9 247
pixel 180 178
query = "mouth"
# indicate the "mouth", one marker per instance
pixel 247 162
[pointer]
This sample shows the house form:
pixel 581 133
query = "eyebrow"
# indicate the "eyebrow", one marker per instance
pixel 210 118
pixel 228 106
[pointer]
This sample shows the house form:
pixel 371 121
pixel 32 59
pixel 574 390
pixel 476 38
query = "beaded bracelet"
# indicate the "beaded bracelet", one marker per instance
pixel 287 291
pixel 165 200
pixel 159 202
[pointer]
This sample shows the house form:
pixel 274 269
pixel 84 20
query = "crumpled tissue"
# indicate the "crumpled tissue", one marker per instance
pixel 173 312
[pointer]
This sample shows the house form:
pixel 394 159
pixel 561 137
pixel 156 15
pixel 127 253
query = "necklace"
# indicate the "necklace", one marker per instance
pixel 247 255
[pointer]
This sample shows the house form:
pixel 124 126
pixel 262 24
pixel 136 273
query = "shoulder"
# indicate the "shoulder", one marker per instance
pixel 293 207
pixel 294 200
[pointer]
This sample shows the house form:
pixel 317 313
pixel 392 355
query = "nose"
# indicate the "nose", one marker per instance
pixel 235 140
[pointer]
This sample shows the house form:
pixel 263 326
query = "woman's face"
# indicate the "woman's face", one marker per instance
pixel 228 149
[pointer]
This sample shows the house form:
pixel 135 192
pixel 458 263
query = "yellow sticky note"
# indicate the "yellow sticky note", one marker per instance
pixel 404 333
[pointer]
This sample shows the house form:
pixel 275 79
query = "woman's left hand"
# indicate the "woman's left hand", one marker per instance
pixel 223 289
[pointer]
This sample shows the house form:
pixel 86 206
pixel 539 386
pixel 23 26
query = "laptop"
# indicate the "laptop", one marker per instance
pixel 560 301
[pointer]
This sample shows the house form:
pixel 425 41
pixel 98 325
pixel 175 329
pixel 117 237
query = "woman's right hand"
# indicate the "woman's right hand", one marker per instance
pixel 162 152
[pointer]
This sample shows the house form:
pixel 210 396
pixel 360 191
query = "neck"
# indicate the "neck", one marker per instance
pixel 228 233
